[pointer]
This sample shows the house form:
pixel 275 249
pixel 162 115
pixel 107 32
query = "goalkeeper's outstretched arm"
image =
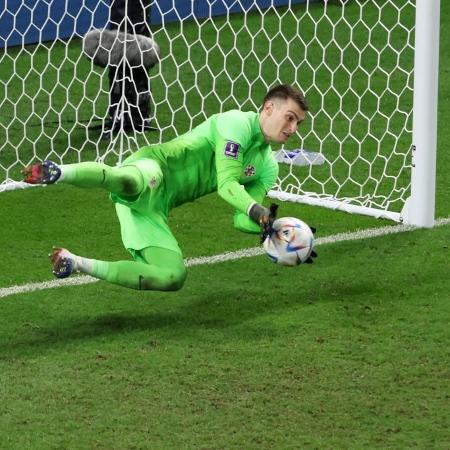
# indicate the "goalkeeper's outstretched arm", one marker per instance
pixel 243 222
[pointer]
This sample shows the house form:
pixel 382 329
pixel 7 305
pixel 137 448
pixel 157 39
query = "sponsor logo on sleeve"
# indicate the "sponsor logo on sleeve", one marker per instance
pixel 232 149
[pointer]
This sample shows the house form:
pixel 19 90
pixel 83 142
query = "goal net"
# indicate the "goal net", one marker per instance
pixel 354 60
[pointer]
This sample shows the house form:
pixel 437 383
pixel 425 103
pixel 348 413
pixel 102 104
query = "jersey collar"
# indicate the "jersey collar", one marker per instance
pixel 257 132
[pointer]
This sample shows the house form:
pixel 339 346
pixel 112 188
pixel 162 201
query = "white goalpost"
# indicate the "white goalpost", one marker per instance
pixel 369 70
pixel 419 207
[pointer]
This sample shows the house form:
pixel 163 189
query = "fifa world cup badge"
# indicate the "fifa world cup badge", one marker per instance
pixel 232 149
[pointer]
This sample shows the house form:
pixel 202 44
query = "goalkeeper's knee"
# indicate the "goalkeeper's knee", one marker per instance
pixel 160 269
pixel 126 181
pixel 166 280
pixel 149 170
pixel 131 180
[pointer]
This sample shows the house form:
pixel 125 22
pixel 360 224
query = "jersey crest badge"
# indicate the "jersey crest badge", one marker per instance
pixel 249 171
pixel 153 182
pixel 232 149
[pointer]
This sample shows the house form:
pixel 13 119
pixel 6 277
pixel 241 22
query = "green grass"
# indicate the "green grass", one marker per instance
pixel 351 352
pixel 244 356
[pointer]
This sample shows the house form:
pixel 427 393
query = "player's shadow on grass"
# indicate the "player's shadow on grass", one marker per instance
pixel 227 309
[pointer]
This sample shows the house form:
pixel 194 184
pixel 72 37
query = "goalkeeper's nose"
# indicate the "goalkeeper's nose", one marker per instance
pixel 293 127
pixel 290 129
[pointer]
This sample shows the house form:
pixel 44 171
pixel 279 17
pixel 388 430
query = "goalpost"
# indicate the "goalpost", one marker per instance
pixel 369 70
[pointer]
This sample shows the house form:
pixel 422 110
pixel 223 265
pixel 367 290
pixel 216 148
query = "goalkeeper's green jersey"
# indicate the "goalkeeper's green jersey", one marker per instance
pixel 227 153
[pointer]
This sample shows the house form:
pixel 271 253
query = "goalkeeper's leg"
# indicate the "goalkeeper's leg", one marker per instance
pixel 126 181
pixel 155 268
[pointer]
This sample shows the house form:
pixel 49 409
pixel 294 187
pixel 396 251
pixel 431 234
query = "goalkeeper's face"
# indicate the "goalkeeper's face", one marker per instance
pixel 280 119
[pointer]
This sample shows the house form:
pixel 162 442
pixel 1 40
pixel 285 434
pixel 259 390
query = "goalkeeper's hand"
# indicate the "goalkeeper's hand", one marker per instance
pixel 265 217
pixel 310 260
pixel 313 255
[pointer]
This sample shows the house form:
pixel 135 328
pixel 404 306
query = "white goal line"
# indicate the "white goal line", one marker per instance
pixel 227 256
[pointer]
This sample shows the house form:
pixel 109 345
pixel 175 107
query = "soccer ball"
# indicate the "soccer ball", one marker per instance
pixel 290 243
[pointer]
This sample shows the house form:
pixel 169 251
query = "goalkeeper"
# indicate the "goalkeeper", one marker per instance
pixel 230 153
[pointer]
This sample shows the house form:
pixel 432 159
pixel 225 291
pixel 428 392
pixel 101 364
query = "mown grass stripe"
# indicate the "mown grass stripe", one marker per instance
pixel 227 256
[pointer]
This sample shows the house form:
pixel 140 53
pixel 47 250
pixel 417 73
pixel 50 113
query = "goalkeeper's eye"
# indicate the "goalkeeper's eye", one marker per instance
pixel 291 118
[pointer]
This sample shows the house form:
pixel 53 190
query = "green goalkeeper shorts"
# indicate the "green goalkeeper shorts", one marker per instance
pixel 144 220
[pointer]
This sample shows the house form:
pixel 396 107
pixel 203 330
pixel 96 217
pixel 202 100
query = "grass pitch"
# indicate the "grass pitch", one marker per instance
pixel 350 352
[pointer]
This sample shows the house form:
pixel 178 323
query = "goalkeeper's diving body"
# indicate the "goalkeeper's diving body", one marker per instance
pixel 230 153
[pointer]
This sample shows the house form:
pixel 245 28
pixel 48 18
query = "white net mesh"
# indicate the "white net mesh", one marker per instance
pixel 353 59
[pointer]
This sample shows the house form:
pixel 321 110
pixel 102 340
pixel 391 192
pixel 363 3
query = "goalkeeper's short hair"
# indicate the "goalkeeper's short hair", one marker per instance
pixel 285 91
